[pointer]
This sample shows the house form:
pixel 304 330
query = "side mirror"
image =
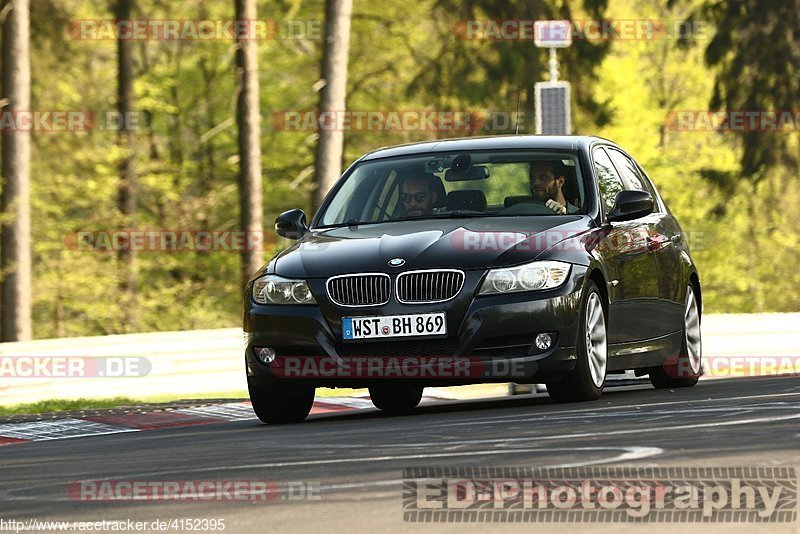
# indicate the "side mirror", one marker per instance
pixel 631 205
pixel 291 224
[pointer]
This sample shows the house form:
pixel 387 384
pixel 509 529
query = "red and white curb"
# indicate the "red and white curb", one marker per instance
pixel 56 429
pixel 99 425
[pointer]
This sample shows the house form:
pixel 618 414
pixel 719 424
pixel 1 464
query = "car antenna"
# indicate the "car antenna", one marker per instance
pixel 516 118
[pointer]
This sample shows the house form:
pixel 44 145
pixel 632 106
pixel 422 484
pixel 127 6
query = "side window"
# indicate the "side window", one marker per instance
pixel 629 171
pixel 660 206
pixel 607 179
pixel 634 175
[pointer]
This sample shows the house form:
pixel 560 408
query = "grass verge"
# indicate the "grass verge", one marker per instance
pixel 65 405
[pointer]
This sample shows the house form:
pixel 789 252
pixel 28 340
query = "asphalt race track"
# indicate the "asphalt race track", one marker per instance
pixel 355 460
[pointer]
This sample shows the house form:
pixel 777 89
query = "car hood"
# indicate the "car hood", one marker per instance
pixel 424 244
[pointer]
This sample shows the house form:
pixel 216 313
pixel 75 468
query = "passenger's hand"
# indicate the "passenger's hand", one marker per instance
pixel 556 207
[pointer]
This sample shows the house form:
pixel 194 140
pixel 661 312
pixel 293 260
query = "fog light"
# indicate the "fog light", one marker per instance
pixel 265 354
pixel 543 341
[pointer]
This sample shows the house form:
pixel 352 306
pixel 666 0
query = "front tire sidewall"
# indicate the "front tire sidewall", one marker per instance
pixel 395 399
pixel 273 407
pixel 578 384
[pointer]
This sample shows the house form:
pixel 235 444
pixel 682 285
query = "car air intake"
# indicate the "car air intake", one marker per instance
pixel 417 287
pixel 366 289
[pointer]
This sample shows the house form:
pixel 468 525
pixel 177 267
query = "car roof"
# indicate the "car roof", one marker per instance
pixel 555 142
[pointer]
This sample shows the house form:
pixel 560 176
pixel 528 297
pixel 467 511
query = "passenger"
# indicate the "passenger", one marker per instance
pixel 417 196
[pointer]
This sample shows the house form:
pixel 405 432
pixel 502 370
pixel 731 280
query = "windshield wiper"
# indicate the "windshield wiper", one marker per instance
pixel 458 214
pixel 350 222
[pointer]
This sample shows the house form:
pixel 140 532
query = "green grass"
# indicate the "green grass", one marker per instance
pixel 242 394
pixel 63 405
pixel 60 405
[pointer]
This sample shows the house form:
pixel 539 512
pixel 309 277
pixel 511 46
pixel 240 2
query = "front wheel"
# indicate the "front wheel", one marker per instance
pixel 395 399
pixel 585 382
pixel 281 407
pixel 685 369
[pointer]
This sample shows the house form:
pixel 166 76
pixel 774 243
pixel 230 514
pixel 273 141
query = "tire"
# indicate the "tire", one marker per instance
pixel 585 382
pixel 395 399
pixel 284 407
pixel 685 370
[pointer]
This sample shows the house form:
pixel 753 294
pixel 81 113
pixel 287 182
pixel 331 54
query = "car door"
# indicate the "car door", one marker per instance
pixel 666 243
pixel 633 290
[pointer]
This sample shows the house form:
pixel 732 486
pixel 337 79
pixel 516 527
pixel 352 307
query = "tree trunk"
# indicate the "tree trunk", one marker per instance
pixel 248 120
pixel 15 243
pixel 334 76
pixel 127 170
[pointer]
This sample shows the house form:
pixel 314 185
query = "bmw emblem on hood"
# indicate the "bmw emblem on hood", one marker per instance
pixel 396 262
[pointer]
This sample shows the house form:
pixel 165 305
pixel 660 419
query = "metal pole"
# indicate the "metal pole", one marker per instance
pixel 553 63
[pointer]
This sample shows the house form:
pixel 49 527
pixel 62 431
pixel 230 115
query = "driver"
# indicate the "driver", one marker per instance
pixel 546 180
pixel 417 196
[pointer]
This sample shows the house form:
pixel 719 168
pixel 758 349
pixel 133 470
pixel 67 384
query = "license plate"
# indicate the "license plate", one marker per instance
pixel 420 324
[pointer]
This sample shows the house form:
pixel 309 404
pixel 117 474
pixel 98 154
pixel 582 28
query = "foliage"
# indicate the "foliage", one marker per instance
pixel 756 52
pixel 404 56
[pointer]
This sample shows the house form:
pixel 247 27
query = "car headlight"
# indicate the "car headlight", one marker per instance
pixel 528 277
pixel 273 289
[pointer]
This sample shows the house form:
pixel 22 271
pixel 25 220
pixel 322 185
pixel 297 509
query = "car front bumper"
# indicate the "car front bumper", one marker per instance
pixel 490 339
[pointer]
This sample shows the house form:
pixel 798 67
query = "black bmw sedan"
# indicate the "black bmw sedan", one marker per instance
pixel 526 259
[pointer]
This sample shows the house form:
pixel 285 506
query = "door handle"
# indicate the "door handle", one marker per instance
pixel 653 243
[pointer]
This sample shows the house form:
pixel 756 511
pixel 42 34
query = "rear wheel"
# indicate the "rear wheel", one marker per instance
pixel 683 371
pixel 586 380
pixel 281 407
pixel 395 399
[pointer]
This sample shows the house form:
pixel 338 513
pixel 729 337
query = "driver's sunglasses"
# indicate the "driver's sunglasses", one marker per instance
pixel 419 197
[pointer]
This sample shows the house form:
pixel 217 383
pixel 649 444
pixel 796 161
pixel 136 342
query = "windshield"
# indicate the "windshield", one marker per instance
pixel 463 184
